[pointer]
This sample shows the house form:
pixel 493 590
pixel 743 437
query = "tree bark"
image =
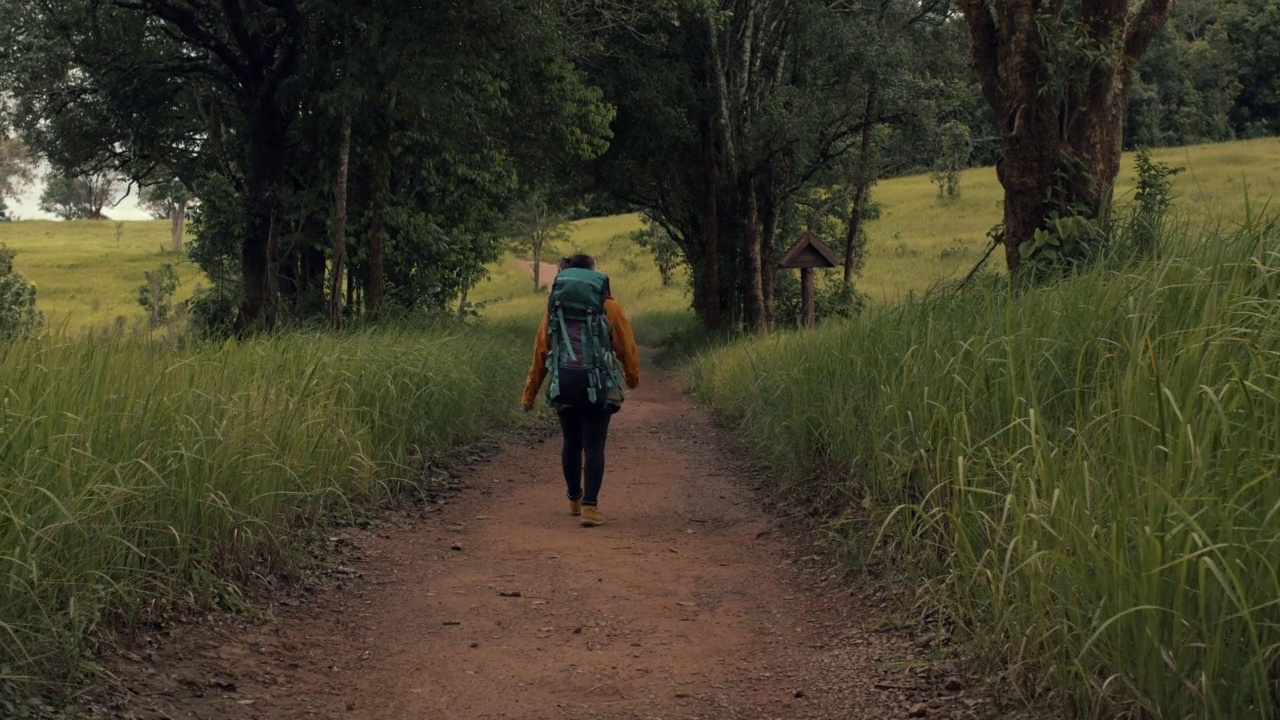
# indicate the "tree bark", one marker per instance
pixel 340 225
pixel 537 261
pixel 1061 152
pixel 377 230
pixel 768 240
pixel 854 228
pixel 178 224
pixel 853 231
pixel 711 262
pixel 754 287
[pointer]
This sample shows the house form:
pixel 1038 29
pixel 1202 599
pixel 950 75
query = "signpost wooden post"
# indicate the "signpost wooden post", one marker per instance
pixel 808 253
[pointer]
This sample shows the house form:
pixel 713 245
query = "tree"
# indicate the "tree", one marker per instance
pixel 1058 75
pixel 78 198
pixel 729 112
pixel 536 226
pixel 168 199
pixel 450 107
pixel 17 170
pixel 956 143
pixel 664 249
pixel 156 294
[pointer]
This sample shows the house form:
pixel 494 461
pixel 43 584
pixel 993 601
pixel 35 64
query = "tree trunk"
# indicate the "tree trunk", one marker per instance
pixel 340 225
pixel 1061 151
pixel 178 224
pixel 768 240
pixel 377 231
pixel 854 231
pixel 711 263
pixel 863 181
pixel 754 311
pixel 312 295
pixel 537 262
pixel 265 169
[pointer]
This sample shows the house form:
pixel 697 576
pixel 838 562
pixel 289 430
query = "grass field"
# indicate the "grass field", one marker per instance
pixel 919 240
pixel 85 276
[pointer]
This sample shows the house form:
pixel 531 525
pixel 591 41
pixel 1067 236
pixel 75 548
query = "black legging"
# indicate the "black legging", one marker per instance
pixel 585 430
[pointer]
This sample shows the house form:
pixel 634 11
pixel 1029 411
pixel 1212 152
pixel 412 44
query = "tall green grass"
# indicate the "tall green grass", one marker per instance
pixel 1085 476
pixel 135 478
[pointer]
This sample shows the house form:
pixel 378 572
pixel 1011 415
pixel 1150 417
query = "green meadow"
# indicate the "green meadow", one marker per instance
pixel 921 241
pixel 87 275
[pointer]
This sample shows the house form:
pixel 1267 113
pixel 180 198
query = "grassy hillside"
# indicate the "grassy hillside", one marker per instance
pixel 1084 477
pixel 85 276
pixel 919 240
pixel 655 311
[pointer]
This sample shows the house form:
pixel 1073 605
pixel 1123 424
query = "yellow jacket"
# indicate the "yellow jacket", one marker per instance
pixel 624 347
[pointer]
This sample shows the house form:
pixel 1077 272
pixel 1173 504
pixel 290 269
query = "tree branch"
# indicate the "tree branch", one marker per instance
pixel 1144 27
pixel 188 23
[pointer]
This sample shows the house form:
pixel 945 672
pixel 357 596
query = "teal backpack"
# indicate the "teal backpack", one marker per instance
pixel 581 363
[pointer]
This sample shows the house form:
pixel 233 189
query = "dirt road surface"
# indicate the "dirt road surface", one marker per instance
pixel 690 602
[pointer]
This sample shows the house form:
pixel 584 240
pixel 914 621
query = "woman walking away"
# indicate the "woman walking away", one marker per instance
pixel 583 338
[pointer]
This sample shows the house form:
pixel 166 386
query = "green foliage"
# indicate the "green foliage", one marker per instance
pixel 254 130
pixel 211 313
pixel 1082 476
pixel 1065 245
pixel 156 294
pixel 833 300
pixel 18 314
pixel 1154 198
pixel 667 255
pixel 17 167
pixel 148 480
pixel 537 229
pixel 161 196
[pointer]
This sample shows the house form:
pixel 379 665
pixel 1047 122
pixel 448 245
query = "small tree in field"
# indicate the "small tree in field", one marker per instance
pixel 536 226
pixel 956 146
pixel 156 294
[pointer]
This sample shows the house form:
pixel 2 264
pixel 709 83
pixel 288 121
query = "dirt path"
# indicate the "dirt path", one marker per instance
pixel 689 603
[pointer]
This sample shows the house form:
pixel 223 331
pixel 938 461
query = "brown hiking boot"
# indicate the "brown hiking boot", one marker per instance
pixel 575 507
pixel 591 516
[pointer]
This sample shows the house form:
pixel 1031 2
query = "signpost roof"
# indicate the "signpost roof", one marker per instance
pixel 810 252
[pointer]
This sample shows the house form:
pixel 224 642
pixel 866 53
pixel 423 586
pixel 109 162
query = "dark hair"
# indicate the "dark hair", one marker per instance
pixel 582 262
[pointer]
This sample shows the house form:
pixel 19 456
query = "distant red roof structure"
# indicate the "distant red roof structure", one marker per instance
pixel 810 252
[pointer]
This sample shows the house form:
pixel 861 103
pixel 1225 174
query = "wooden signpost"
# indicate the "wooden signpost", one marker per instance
pixel 808 253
